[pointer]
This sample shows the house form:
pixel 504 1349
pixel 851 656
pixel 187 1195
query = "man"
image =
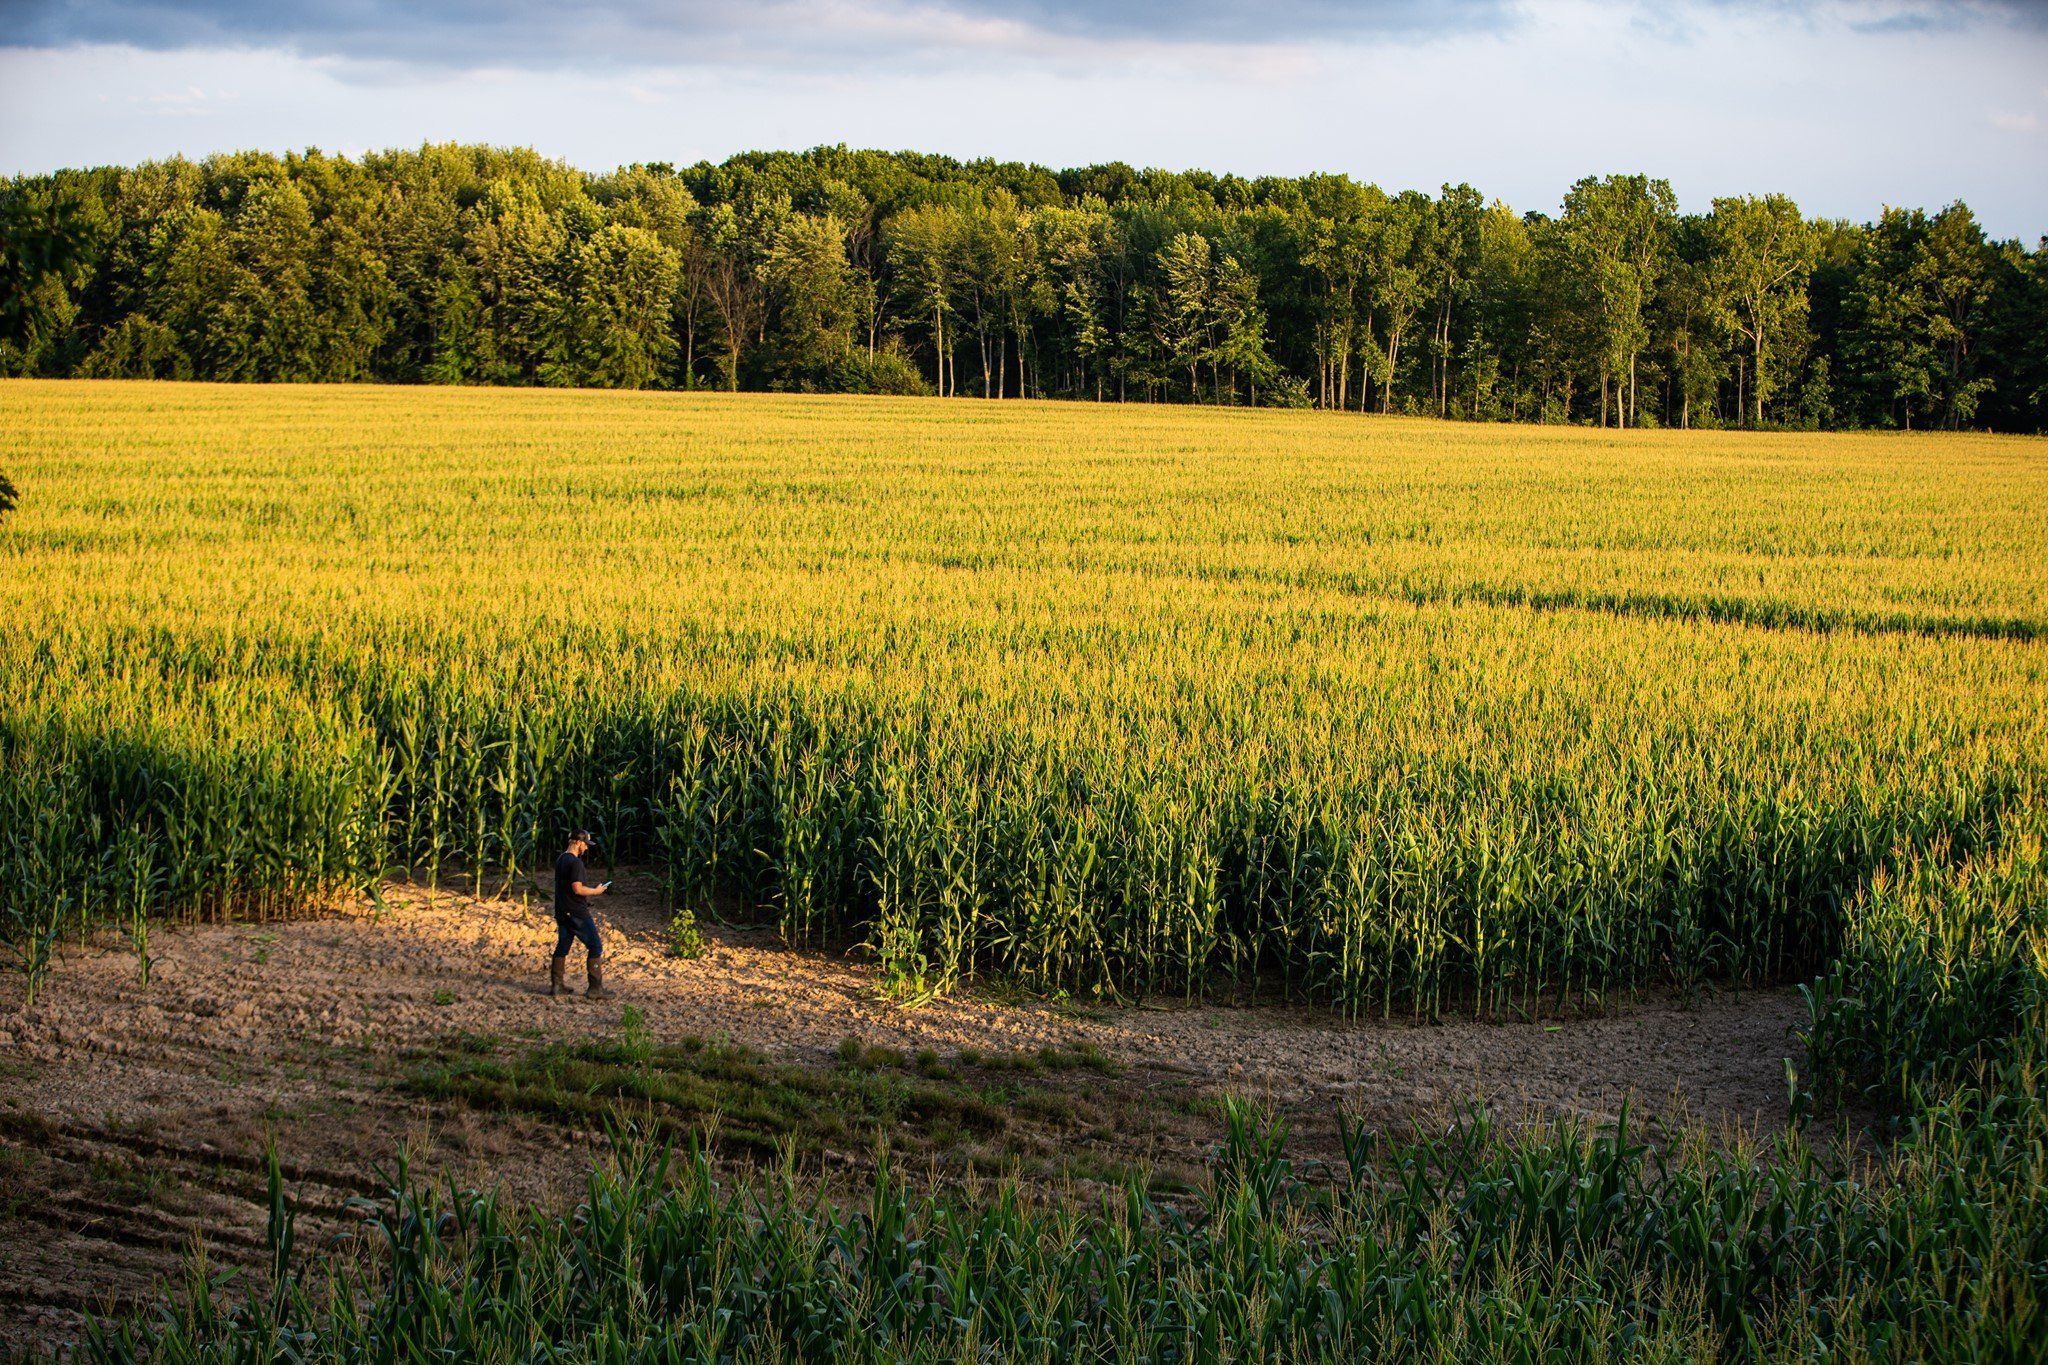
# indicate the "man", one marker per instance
pixel 574 890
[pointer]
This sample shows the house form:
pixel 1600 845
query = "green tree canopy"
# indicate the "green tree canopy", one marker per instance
pixel 842 268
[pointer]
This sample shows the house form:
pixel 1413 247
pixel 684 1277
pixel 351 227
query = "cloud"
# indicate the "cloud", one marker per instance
pixel 389 41
pixel 1903 16
pixel 843 35
pixel 542 34
pixel 1749 95
pixel 1211 21
pixel 2009 122
pixel 459 33
pixel 187 102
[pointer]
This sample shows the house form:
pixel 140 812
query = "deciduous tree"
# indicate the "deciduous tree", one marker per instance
pixel 1760 252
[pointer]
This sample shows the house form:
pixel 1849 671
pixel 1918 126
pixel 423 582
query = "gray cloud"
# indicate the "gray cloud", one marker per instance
pixel 1232 21
pixel 459 33
pixel 1907 16
pixel 551 33
pixel 546 34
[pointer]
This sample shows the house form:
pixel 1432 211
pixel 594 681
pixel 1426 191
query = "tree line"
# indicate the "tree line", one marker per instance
pixel 877 272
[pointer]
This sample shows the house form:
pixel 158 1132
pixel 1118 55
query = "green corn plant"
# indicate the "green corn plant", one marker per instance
pixel 1471 1241
pixel 1279 719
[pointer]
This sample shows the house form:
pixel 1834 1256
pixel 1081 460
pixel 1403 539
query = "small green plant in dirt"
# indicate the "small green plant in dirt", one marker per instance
pixel 685 939
pixel 859 1056
pixel 906 969
pixel 36 947
pixel 129 1179
pixel 138 936
pixel 635 1043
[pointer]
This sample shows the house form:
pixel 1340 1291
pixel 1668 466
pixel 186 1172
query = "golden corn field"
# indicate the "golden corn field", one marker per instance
pixel 1395 714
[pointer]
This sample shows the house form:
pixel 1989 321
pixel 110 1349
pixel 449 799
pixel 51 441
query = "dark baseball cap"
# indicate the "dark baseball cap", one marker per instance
pixel 582 836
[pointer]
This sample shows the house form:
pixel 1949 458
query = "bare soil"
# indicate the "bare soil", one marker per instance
pixel 133 1119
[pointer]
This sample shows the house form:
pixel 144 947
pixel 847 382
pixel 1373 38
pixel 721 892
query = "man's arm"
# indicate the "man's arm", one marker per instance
pixel 580 889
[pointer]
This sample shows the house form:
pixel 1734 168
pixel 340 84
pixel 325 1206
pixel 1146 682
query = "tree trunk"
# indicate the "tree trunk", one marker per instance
pixel 1955 373
pixel 1443 402
pixel 690 346
pixel 1756 386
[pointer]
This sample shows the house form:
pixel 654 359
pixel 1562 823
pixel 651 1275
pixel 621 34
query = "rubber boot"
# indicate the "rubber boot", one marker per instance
pixel 595 974
pixel 558 976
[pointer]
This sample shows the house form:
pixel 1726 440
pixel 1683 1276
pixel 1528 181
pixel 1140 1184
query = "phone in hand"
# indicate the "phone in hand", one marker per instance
pixel 604 886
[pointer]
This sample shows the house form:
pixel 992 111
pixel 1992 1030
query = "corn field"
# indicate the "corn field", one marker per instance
pixel 1396 715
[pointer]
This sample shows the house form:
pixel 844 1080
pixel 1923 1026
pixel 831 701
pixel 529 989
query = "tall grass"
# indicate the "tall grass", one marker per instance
pixel 1397 715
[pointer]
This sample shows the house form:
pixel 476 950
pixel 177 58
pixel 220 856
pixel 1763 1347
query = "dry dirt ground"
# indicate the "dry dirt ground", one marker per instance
pixel 133 1119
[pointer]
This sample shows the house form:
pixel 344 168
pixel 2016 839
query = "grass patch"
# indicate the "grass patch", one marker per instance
pixel 987 1112
pixel 749 1102
pixel 1079 1056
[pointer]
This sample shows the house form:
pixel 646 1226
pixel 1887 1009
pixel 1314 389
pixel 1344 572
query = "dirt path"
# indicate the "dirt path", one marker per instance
pixel 133 1119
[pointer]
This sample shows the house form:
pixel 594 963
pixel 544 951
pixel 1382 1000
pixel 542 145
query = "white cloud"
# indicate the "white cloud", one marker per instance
pixel 1745 97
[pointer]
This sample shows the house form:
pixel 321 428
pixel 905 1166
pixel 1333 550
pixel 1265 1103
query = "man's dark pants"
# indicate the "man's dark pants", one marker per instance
pixel 569 928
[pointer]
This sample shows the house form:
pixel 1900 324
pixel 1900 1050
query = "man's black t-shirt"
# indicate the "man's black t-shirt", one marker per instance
pixel 569 870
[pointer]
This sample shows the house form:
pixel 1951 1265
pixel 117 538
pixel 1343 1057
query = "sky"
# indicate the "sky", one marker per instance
pixel 1847 105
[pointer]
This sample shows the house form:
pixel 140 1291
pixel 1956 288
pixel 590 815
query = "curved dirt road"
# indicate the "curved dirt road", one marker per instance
pixel 132 1118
